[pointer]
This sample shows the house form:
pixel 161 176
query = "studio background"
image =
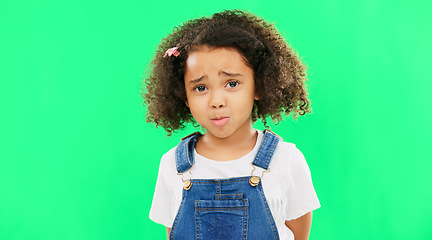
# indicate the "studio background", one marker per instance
pixel 79 162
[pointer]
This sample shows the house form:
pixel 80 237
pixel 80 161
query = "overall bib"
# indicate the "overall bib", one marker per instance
pixel 228 209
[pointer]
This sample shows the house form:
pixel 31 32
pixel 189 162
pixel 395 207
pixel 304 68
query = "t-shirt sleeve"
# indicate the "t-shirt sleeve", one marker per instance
pixel 160 211
pixel 301 195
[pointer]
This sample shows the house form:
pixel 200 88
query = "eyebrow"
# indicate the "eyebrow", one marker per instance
pixel 229 74
pixel 195 81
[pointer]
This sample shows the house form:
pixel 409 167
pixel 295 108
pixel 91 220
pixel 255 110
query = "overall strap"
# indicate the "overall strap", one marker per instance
pixel 266 150
pixel 184 153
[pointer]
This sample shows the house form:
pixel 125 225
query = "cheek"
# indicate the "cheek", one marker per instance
pixel 194 104
pixel 247 98
pixel 198 112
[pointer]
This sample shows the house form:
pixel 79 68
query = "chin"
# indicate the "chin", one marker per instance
pixel 220 133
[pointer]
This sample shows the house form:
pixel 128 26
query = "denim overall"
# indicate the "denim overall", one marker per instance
pixel 228 209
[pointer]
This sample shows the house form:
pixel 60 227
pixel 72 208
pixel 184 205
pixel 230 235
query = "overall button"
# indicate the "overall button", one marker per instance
pixel 254 181
pixel 187 184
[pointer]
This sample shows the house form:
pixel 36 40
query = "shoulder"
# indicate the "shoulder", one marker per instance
pixel 288 157
pixel 288 151
pixel 286 147
pixel 285 152
pixel 170 157
pixel 167 164
pixel 169 154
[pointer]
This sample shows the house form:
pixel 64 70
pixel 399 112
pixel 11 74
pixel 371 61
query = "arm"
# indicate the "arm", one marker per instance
pixel 168 230
pixel 300 226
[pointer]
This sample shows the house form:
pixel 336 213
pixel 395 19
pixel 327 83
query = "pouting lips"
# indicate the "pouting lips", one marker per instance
pixel 219 122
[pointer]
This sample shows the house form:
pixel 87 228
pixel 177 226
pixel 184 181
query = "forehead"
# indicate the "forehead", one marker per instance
pixel 204 60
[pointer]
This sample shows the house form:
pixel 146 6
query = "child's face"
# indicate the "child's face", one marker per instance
pixel 220 91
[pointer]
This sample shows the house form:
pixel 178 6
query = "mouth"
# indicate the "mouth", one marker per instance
pixel 219 121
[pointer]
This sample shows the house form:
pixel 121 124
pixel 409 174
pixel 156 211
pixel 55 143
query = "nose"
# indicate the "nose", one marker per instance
pixel 217 100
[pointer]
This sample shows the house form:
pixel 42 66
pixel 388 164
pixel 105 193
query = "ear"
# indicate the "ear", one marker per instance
pixel 256 96
pixel 186 102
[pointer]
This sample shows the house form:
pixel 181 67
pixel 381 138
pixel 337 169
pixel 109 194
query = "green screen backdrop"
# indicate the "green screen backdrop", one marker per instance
pixel 79 162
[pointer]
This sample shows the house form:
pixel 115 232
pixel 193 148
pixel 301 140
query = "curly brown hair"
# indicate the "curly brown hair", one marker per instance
pixel 278 72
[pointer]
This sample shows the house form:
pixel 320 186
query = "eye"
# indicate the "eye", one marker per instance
pixel 232 84
pixel 199 88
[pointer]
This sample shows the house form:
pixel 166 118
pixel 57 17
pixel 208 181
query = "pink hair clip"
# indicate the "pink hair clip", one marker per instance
pixel 172 51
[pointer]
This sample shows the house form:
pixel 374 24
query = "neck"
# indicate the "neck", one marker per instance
pixel 237 138
pixel 232 147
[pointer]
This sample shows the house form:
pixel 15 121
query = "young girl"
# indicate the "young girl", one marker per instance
pixel 233 181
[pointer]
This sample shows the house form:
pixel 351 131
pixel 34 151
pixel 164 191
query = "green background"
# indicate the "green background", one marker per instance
pixel 78 161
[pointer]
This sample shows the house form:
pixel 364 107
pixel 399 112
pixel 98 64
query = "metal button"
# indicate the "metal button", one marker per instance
pixel 254 181
pixel 187 184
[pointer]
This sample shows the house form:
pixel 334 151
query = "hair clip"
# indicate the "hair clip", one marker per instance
pixel 172 51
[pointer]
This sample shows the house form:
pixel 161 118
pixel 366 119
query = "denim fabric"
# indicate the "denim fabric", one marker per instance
pixel 185 152
pixel 224 208
pixel 266 150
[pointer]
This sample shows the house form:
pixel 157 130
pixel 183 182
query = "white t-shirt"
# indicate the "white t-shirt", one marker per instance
pixel 287 187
